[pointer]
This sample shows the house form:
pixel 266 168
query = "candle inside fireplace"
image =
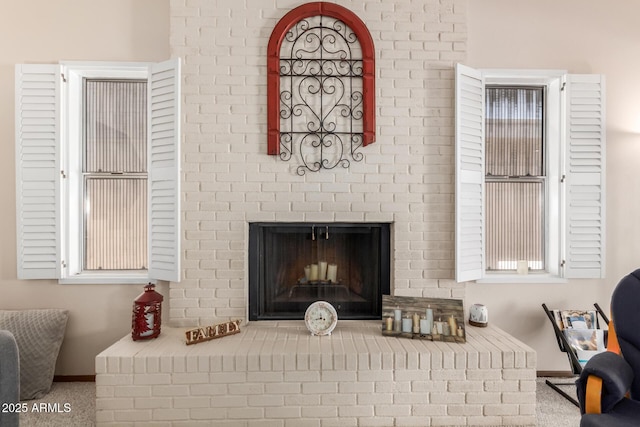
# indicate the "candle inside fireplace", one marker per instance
pixel 322 272
pixel 332 273
pixel 313 275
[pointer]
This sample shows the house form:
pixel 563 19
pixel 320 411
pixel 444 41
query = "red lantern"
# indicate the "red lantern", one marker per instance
pixel 145 323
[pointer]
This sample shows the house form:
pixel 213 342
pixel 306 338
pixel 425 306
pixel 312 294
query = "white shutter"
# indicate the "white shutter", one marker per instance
pixel 469 174
pixel 164 170
pixel 37 130
pixel 585 177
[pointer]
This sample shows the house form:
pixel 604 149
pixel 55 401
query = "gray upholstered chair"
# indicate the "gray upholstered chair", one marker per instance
pixel 9 378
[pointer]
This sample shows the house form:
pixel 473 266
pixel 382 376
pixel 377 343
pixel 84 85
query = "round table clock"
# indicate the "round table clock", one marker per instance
pixel 321 318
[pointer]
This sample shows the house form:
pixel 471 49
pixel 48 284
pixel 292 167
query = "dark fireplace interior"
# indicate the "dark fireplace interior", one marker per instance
pixel 292 265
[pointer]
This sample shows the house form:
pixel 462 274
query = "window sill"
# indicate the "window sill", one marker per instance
pixel 112 278
pixel 521 278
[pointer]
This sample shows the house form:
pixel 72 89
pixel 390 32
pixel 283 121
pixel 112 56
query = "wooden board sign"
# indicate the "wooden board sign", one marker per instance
pixel 207 333
pixel 433 319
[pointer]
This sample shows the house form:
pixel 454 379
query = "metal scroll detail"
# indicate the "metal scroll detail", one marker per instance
pixel 321 108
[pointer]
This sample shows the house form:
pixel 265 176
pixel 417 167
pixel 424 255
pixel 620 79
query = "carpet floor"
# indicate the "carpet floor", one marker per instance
pixel 552 410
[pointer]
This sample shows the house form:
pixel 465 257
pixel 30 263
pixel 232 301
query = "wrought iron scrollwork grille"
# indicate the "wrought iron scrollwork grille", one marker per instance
pixel 321 101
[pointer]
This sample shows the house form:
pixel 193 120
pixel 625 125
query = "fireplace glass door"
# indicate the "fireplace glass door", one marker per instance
pixel 292 265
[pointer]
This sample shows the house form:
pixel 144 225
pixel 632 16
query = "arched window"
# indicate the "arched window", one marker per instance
pixel 321 87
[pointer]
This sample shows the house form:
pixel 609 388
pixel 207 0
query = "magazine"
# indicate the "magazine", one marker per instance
pixel 558 318
pixel 585 339
pixel 578 319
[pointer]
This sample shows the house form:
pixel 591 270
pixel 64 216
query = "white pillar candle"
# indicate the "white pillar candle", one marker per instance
pixel 389 323
pixel 424 327
pixel 446 329
pixel 314 272
pixel 453 324
pixel 332 273
pixel 406 324
pixel 429 319
pixel 307 272
pixel 322 273
pixel 397 320
pixel 416 323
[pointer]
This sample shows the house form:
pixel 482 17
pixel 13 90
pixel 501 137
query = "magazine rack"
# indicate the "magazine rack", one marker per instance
pixel 564 345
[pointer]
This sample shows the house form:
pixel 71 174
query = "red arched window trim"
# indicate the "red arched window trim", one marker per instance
pixel 273 67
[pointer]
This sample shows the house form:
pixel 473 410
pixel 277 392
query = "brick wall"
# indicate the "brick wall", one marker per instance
pixel 406 177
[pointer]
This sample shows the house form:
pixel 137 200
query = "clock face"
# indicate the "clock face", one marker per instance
pixel 321 318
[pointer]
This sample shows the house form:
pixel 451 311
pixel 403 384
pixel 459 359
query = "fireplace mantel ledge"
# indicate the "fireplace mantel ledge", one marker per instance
pixel 277 373
pixel 288 346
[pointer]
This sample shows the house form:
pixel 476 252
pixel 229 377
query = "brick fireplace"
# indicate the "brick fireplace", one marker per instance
pixel 405 177
pixel 274 373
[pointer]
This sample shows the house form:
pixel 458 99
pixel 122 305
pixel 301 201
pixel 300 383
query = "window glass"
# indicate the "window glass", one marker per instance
pixel 514 131
pixel 515 182
pixel 115 175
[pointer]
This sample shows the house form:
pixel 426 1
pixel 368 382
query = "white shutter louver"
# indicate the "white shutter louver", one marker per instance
pixel 585 176
pixel 164 170
pixel 37 130
pixel 469 174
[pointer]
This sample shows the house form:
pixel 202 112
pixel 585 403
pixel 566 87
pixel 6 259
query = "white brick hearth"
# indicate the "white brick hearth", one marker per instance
pixel 276 374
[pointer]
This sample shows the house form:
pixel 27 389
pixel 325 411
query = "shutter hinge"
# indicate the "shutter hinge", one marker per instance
pixel 64 79
pixel 63 174
pixel 564 84
pixel 562 263
pixel 64 264
pixel 563 178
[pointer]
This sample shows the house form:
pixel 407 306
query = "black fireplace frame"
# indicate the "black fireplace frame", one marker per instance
pixel 256 267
